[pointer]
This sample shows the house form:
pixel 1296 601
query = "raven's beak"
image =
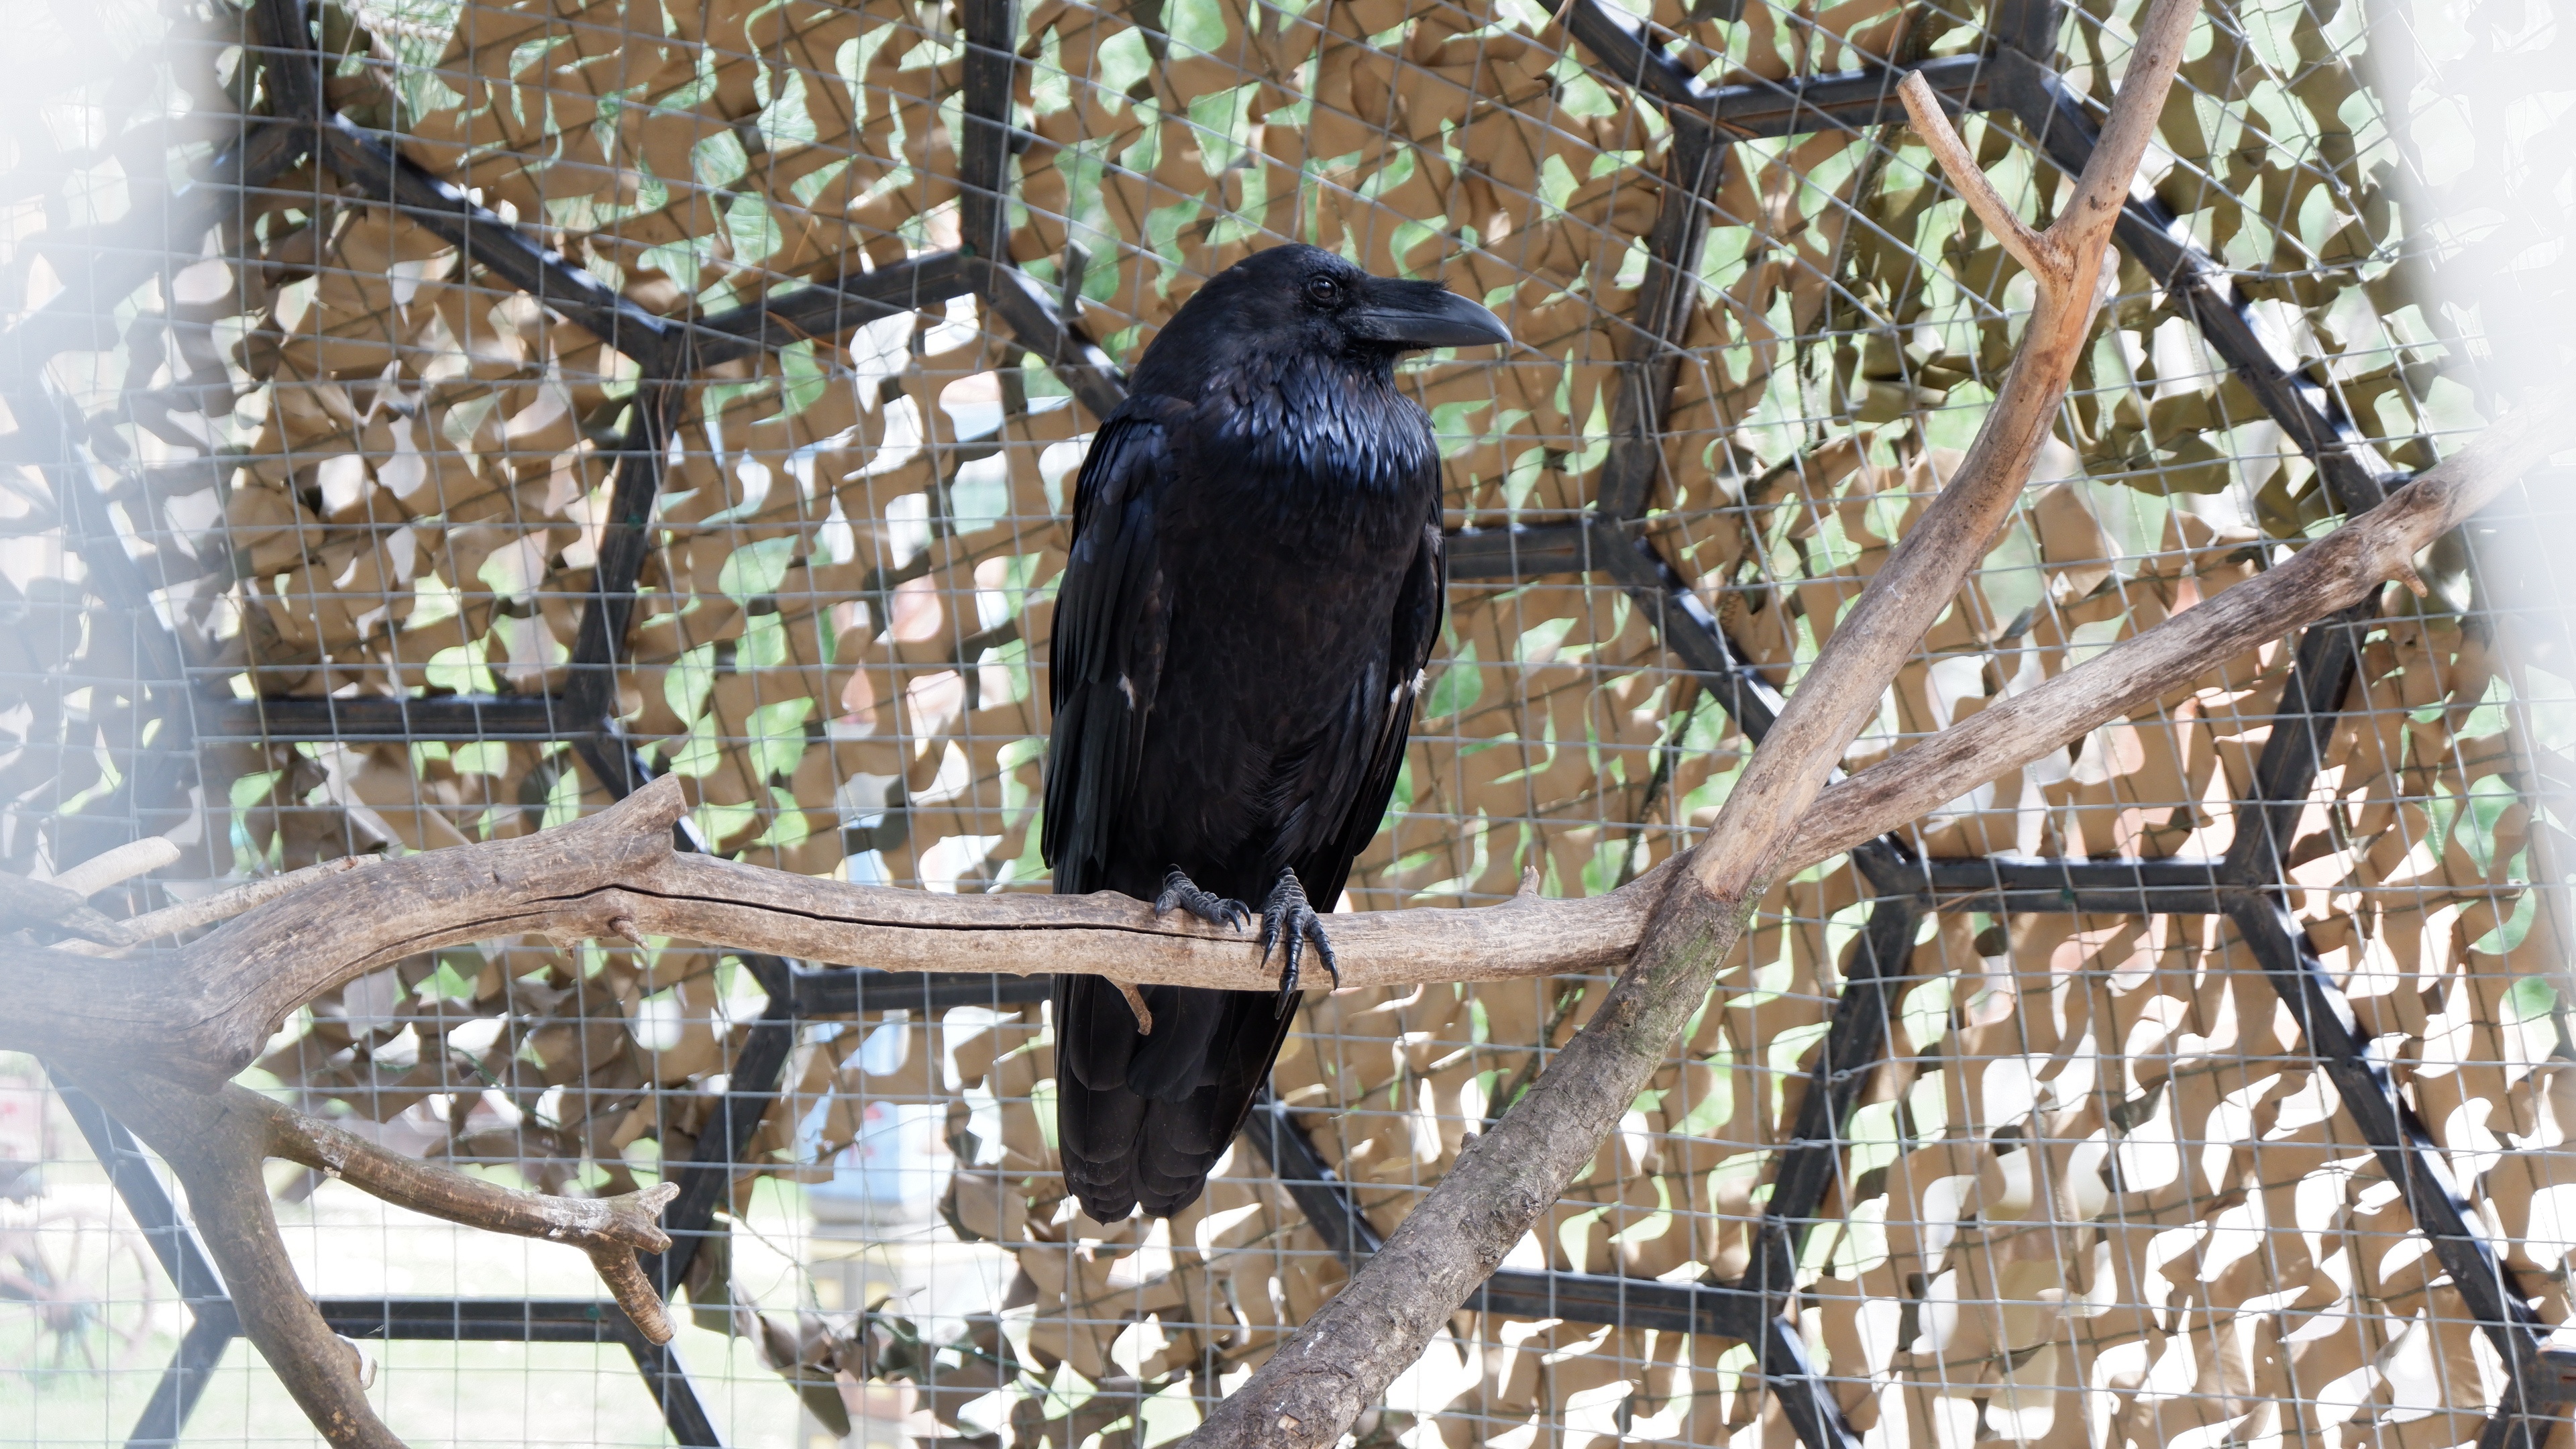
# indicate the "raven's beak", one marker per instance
pixel 1422 314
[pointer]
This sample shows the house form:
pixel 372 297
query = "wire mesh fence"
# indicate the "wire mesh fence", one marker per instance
pixel 433 420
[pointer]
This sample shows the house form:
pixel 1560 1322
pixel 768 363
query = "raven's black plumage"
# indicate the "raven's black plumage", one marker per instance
pixel 1254 588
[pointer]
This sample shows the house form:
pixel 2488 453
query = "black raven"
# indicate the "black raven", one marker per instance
pixel 1254 588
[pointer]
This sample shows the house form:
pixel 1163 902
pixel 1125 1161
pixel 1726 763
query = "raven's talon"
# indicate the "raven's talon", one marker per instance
pixel 1288 919
pixel 1182 893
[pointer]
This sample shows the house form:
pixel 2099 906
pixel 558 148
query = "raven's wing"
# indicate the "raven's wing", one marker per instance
pixel 1232 1037
pixel 1105 660
pixel 1106 653
pixel 1416 630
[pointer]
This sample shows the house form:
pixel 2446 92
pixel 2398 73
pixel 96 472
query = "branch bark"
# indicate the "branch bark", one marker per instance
pixel 2338 570
pixel 611 1230
pixel 212 1004
pixel 215 1144
pixel 2026 246
pixel 187 916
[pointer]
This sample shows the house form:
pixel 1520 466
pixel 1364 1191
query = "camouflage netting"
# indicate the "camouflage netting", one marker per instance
pixel 2101 1196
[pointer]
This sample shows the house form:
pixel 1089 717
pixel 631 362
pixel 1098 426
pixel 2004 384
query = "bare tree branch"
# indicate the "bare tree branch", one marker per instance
pixel 214 1002
pixel 124 863
pixel 223 906
pixel 211 1005
pixel 215 1147
pixel 216 1142
pixel 610 1230
pixel 1923 106
pixel 2340 569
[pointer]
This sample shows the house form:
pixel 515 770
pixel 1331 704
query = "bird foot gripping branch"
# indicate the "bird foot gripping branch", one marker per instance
pixel 1289 924
pixel 1180 893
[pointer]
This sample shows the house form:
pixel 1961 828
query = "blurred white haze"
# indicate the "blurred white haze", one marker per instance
pixel 2481 101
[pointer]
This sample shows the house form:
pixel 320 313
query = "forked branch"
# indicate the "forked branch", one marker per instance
pixel 2037 253
pixel 216 1143
pixel 210 1005
pixel 611 1230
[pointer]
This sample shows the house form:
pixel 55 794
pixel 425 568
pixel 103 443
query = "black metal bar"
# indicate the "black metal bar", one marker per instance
pixel 984 151
pixel 2026 26
pixel 819 995
pixel 1092 375
pixel 1519 553
pixel 1691 631
pixel 1319 1192
pixel 479 1320
pixel 1326 1200
pixel 2512 1428
pixel 2553 1376
pixel 983 173
pixel 2404 1146
pixel 590 681
pixel 1854 1046
pixel 706 1182
pixel 175 1246
pixel 691 1425
pixel 751 1088
pixel 829 309
pixel 1688 628
pixel 488 241
pixel 290 66
pixel 2042 885
pixel 1847 100
pixel 1653 363
pixel 2322 670
pixel 192 1366
pixel 463 716
pixel 174 1242
pixel 1803 1395
pixel 1621 46
pixel 1711 1308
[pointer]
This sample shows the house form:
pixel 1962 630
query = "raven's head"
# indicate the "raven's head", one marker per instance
pixel 1298 299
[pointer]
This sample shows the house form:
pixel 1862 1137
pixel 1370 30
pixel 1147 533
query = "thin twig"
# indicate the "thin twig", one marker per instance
pixel 223 906
pixel 210 1006
pixel 611 1230
pixel 124 863
pixel 2035 252
pixel 2340 569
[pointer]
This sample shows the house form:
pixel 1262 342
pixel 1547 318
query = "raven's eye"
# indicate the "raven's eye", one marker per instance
pixel 1323 291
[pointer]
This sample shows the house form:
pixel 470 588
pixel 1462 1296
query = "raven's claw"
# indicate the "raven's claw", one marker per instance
pixel 1288 919
pixel 1182 893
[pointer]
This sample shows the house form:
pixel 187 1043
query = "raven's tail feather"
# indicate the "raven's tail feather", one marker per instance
pixel 1143 1120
